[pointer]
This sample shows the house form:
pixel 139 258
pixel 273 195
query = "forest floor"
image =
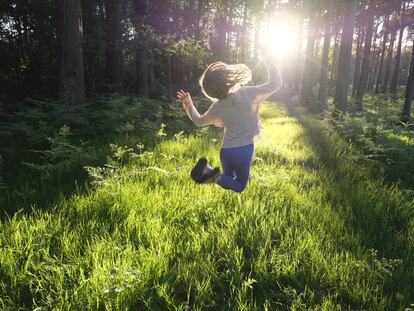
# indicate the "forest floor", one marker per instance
pixel 317 228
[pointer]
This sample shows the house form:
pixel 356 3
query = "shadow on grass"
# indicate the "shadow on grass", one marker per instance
pixel 375 209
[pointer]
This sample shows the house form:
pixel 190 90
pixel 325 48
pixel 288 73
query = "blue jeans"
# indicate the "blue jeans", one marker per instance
pixel 235 163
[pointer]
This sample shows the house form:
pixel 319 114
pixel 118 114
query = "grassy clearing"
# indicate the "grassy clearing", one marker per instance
pixel 316 229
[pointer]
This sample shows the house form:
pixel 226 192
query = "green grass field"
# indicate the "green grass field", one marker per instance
pixel 317 228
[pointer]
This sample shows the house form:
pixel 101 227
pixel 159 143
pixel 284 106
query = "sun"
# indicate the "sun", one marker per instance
pixel 280 37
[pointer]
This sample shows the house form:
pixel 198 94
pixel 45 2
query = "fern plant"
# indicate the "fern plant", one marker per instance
pixel 62 154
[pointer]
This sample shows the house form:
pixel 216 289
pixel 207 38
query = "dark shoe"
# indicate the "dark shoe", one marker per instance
pixel 211 176
pixel 197 171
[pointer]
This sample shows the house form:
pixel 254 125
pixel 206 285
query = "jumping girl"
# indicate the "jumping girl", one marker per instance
pixel 235 108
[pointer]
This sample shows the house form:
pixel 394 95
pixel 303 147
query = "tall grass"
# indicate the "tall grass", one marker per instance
pixel 316 229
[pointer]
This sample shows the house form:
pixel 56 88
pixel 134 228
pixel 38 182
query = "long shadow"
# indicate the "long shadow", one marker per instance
pixel 380 218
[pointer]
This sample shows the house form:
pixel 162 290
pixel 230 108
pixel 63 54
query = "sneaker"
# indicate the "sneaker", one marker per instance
pixel 211 176
pixel 197 171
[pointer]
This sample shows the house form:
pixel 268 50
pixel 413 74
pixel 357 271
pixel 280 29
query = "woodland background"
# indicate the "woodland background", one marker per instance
pixel 96 206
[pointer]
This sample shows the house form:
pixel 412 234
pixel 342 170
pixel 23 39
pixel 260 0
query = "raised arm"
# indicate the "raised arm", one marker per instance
pixel 274 83
pixel 209 117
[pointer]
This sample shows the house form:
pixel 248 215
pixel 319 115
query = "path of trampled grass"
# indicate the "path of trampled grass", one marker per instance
pixel 310 232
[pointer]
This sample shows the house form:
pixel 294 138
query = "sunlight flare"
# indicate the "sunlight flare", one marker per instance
pixel 280 37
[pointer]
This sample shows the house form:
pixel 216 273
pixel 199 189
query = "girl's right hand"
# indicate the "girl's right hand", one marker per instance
pixel 183 97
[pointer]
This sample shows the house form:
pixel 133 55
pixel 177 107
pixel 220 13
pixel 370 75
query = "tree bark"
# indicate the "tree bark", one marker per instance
pixel 244 46
pixel 394 80
pixel 114 54
pixel 373 63
pixel 409 91
pixel 344 59
pixel 383 49
pixel 298 73
pixel 363 79
pixel 389 61
pixel 220 42
pixel 154 92
pixel 142 69
pixel 334 66
pixel 70 56
pixel 198 19
pixel 306 97
pixel 323 81
pixel 141 53
pixel 358 56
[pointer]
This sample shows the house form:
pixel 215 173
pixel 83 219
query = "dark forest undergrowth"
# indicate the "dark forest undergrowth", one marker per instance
pixel 320 227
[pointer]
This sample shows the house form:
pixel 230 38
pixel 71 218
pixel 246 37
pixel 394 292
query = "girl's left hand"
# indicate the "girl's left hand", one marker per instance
pixel 183 96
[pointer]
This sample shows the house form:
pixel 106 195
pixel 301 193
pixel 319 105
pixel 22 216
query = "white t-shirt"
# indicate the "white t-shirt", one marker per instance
pixel 238 113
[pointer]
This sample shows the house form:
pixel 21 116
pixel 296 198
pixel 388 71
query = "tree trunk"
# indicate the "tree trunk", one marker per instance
pixel 323 81
pixel 383 49
pixel 389 61
pixel 142 69
pixel 358 56
pixel 71 72
pixel 394 81
pixel 334 66
pixel 409 91
pixel 256 41
pixel 373 64
pixel 220 42
pixel 298 71
pixel 344 59
pixel 141 53
pixel 94 49
pixel 154 92
pixel 198 19
pixel 363 79
pixel 114 55
pixel 244 46
pixel 306 96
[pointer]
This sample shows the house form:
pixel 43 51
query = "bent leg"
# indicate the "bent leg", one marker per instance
pixel 240 159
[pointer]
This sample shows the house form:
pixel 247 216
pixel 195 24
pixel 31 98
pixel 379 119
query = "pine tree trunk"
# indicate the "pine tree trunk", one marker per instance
pixel 154 92
pixel 389 62
pixel 70 56
pixel 306 96
pixel 141 52
pixel 220 42
pixel 114 56
pixel 198 19
pixel 94 49
pixel 358 56
pixel 323 81
pixel 344 59
pixel 374 65
pixel 363 79
pixel 142 69
pixel 394 81
pixel 256 41
pixel 409 91
pixel 334 67
pixel 383 49
pixel 298 71
pixel 244 46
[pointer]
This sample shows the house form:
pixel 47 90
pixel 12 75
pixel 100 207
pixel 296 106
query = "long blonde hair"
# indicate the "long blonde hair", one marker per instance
pixel 219 79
